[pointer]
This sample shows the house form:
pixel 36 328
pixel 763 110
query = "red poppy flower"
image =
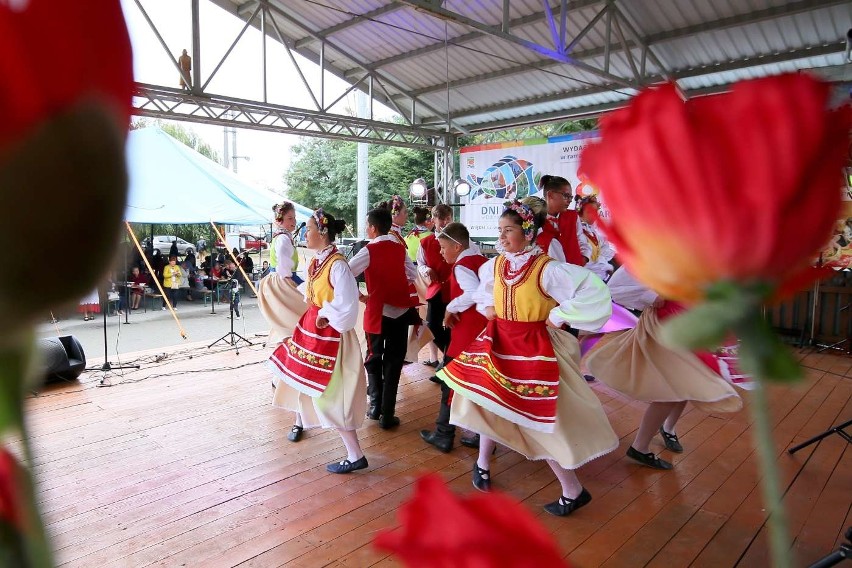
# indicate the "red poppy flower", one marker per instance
pixel 65 89
pixel 741 187
pixel 485 530
pixel 11 511
pixel 54 54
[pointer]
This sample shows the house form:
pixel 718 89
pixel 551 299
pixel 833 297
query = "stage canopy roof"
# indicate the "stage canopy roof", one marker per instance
pixel 172 183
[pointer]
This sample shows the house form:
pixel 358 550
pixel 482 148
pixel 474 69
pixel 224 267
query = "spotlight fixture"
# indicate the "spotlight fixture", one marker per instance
pixel 418 188
pixel 461 187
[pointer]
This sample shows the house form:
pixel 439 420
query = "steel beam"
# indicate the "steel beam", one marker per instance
pixel 365 17
pixel 649 41
pixel 176 104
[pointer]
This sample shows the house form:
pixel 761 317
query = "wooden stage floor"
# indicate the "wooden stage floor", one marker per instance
pixel 185 463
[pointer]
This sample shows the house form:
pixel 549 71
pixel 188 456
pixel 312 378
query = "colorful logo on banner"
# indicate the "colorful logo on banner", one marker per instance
pixel 507 178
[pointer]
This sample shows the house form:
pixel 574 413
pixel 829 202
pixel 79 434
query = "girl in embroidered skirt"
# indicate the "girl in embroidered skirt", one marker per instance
pixel 519 382
pixel 320 367
pixel 636 363
pixel 277 297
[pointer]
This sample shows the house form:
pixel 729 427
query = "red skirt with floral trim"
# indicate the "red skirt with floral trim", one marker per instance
pixel 306 360
pixel 510 370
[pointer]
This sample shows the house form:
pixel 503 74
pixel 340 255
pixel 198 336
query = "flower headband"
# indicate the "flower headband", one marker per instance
pixel 526 215
pixel 322 221
pixel 397 205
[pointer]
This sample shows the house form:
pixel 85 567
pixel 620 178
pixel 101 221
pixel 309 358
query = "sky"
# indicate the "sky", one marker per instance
pixel 239 76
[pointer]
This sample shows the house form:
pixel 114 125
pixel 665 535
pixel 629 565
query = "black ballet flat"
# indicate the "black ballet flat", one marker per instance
pixel 432 364
pixel 671 441
pixel 295 433
pixel 648 459
pixel 564 506
pixel 347 466
pixel 436 379
pixel 481 478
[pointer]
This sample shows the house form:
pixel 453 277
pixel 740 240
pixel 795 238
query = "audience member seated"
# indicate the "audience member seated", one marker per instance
pixel 137 288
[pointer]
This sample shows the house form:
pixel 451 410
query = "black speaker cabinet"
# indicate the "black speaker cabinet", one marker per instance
pixel 63 358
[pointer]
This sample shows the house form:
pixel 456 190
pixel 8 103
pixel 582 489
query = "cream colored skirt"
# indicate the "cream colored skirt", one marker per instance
pixel 637 364
pixel 343 404
pixel 581 433
pixel 281 304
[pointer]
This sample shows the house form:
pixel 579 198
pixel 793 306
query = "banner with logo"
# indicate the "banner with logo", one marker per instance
pixel 512 170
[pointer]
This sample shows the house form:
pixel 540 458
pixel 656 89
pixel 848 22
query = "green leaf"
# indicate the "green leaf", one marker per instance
pixel 703 327
pixel 762 354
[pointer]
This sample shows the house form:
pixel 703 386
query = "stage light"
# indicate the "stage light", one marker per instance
pixel 418 188
pixel 461 187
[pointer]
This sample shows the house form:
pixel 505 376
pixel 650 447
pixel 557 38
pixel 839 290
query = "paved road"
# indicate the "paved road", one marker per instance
pixel 158 328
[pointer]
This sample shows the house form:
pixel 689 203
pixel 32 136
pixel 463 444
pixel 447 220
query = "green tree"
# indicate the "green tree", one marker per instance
pixel 323 173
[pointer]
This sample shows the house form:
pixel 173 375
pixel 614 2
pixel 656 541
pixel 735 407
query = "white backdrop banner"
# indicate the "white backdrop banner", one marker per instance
pixel 512 170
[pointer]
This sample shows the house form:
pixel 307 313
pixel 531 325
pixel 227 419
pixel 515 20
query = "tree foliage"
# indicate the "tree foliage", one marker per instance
pixel 323 173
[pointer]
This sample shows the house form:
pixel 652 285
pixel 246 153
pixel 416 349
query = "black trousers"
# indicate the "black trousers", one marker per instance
pixel 442 423
pixel 385 357
pixel 435 311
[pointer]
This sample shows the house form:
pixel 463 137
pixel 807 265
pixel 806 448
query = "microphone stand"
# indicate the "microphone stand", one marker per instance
pixel 107 366
pixel 232 338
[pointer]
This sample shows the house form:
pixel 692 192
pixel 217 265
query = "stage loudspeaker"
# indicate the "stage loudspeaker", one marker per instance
pixel 62 358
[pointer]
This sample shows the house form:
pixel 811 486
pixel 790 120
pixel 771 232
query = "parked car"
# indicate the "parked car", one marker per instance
pixel 163 243
pixel 252 242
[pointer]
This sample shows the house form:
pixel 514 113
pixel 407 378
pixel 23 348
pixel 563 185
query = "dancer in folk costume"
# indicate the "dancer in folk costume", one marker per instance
pixel 558 234
pixel 519 382
pixel 390 302
pixel 593 243
pixel 461 318
pixel 277 297
pixel 637 364
pixel 423 225
pixel 320 367
pixel 399 217
pixel 435 271
pixel 418 334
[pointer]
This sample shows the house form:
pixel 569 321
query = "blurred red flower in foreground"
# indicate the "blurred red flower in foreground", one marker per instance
pixel 483 530
pixel 66 82
pixel 11 511
pixel 741 187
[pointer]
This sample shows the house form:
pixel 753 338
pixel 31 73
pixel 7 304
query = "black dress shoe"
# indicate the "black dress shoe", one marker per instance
pixel 347 466
pixel 481 478
pixel 435 379
pixel 432 364
pixel 386 423
pixel 471 441
pixel 671 441
pixel 648 459
pixel 295 433
pixel 441 442
pixel 564 506
pixel 589 378
pixel 374 412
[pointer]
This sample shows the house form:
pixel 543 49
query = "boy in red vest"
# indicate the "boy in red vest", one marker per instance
pixel 390 300
pixel 462 318
pixel 436 271
pixel 558 236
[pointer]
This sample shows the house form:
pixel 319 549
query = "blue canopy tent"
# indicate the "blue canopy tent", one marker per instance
pixel 170 183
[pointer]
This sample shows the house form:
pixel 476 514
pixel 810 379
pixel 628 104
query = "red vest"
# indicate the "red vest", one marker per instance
pixel 566 234
pixel 386 282
pixel 432 251
pixel 471 322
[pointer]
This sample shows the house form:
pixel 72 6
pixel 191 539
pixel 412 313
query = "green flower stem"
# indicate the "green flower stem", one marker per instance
pixel 779 541
pixel 16 357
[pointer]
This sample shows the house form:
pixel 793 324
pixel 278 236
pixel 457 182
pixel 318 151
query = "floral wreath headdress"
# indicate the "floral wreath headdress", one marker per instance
pixel 322 221
pixel 397 204
pixel 278 209
pixel 526 214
